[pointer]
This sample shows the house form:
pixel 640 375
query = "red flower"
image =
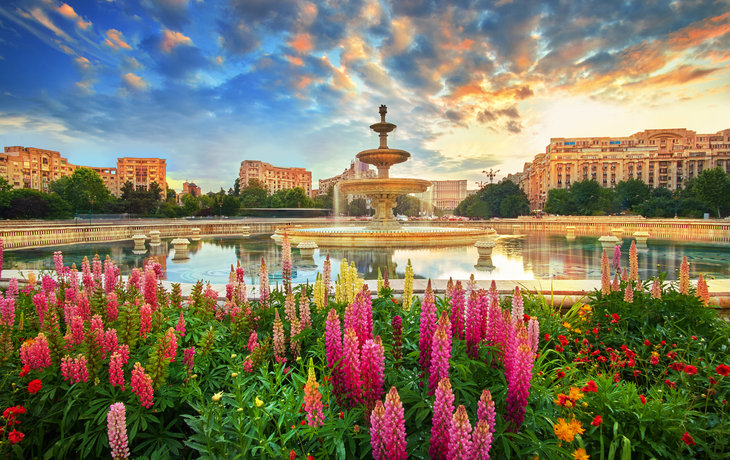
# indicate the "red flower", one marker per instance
pixel 670 384
pixel 526 318
pixel 342 415
pixel 34 386
pixel 547 337
pixel 309 457
pixel 689 369
pixel 647 343
pixel 303 422
pixel 694 337
pixel 563 340
pixel 590 387
pixel 15 437
pixel 723 370
pixel 559 349
pixel 615 317
pixel 597 421
pixel 687 439
pixel 712 381
pixel 292 455
pixel 561 374
pixel 636 373
pixel 643 399
pixel 12 412
pixel 25 371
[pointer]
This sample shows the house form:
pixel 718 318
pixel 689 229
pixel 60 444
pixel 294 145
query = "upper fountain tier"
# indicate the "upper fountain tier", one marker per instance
pixel 383 157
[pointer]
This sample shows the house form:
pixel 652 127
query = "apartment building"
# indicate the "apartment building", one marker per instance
pixel 275 178
pixel 659 157
pixel 357 170
pixel 29 167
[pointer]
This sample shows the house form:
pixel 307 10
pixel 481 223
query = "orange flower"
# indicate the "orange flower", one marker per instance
pixel 580 454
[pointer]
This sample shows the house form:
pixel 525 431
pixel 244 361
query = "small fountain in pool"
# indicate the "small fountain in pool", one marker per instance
pixel 384 229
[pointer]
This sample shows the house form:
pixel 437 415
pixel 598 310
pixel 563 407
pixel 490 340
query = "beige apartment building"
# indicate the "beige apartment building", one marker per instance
pixel 659 157
pixel 357 170
pixel 275 178
pixel 445 194
pixel 29 167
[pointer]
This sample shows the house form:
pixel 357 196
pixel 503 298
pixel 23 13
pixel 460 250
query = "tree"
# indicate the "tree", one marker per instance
pixel 171 195
pixel 586 195
pixel 230 205
pixel 358 207
pixel 81 188
pixel 190 204
pixel 631 193
pixel 236 190
pixel 297 198
pixel 712 187
pixel 513 206
pixel 560 201
pixel 254 195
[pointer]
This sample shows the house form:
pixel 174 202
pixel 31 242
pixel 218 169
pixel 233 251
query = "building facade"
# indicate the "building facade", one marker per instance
pixel 658 157
pixel 357 170
pixel 275 178
pixel 445 194
pixel 29 167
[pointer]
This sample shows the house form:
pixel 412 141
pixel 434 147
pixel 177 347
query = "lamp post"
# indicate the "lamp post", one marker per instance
pixel 91 199
pixel 490 175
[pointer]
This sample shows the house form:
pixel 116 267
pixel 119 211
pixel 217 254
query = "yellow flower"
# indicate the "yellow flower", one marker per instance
pixel 655 354
pixel 217 396
pixel 577 331
pixel 233 356
pixel 575 393
pixel 563 431
pixel 585 404
pixel 31 279
pixel 259 403
pixel 566 325
pixel 234 375
pixel 580 454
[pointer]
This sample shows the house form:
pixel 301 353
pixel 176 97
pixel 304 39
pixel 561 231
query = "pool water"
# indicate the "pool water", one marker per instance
pixel 521 257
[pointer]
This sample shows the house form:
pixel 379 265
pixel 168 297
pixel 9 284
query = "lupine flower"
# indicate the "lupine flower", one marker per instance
pixel 428 327
pixel 169 350
pixel 440 353
pixel 408 287
pixel 460 436
pixel 449 287
pixel 518 385
pixel 253 342
pixel 397 350
pixel 372 368
pixel 486 410
pixel 684 277
pixel 116 373
pixel 351 365
pixel 38 355
pixel 457 312
pixel 286 264
pixel 481 441
pixel 313 399
pixel 703 292
pixel 12 291
pixel 333 338
pixel 117 431
pixel 605 275
pixel 624 275
pixel 615 287
pixel 2 250
pixel 290 309
pixel 633 263
pixel 180 328
pixel 263 285
pixel 279 347
pixel 142 385
pixel 518 305
pixel 473 325
pixel 617 257
pixel 386 281
pixel 629 293
pixel 48 285
pixel 145 320
pixel 443 409
pixel 188 355
pixel 379 284
pixel 305 315
pixel 111 306
pixel 656 289
pixel 377 417
pixel 7 311
pixel 533 331
pixel 327 274
pixel 74 369
pixel 394 427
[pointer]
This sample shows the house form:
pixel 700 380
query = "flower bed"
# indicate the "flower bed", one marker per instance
pixel 93 367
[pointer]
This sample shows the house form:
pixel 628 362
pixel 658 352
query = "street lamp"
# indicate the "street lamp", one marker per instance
pixel 490 175
pixel 92 199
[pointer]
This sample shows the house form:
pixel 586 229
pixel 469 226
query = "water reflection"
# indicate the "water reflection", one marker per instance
pixel 518 257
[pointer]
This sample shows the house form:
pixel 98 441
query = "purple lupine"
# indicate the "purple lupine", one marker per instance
pixel 440 353
pixel 473 325
pixel 351 366
pixel 518 386
pixel 457 311
pixel 188 356
pixel 486 410
pixel 443 410
pixel 397 324
pixel 460 444
pixel 377 417
pixel 117 431
pixel 428 327
pixel 394 427
pixel 372 368
pixel 481 441
pixel 617 257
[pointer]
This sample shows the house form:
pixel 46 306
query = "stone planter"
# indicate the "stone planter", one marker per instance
pixel 484 264
pixel 641 237
pixel 484 248
pixel 608 242
pixel 181 249
pixel 139 242
pixel 196 234
pixel 306 249
pixel 617 232
pixel 155 238
pixel 570 229
pixel 245 231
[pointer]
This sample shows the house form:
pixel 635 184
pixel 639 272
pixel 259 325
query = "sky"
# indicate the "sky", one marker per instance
pixel 471 84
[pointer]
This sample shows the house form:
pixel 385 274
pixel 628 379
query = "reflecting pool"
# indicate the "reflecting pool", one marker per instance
pixel 520 257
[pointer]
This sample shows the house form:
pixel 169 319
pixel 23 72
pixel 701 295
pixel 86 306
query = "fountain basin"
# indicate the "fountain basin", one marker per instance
pixel 391 186
pixel 362 237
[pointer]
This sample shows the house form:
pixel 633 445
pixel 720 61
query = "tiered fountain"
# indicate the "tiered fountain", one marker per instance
pixel 384 230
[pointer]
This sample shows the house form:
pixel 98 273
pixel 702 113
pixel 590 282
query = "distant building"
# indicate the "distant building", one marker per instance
pixel 658 157
pixel 445 194
pixel 357 170
pixel 275 178
pixel 29 167
pixel 190 187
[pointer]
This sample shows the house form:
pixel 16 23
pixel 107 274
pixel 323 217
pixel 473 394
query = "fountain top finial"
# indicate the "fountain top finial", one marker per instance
pixel 383 110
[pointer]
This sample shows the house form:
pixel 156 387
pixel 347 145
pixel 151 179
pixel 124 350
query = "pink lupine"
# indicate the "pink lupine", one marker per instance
pixel 279 347
pixel 703 291
pixel 66 364
pixel 83 307
pixel 58 264
pixel 97 331
pixel 471 285
pixel 116 371
pixel 12 291
pixel 460 445
pixel 48 285
pixel 73 279
pixel 440 353
pixel 313 399
pixel 142 386
pixel 155 266
pixel 111 306
pixel 253 342
pixel 286 263
pixel 333 345
pixel 290 310
pixel 117 431
pixel 74 370
pixel 327 275
pixel 473 325
pixel 428 327
pixel 150 288
pixel 351 366
pixel 486 410
pixel 656 289
pixel 188 356
pixel 86 277
pixel 629 293
pixel 305 315
pixel 263 285
pixel 145 320
pixel 443 410
pixel 481 441
pixel 135 278
pixel 123 351
pixel 457 312
pixel 615 286
pixel 518 305
pixel 533 330
pixel 377 417
pixel 170 344
pixel 7 311
pixel 484 307
pixel 394 427
pixel 519 385
pixel 36 355
pixel 449 287
pixel 180 328
pixel 111 341
pixel 617 257
pixel 77 330
pixel 2 251
pixel 240 273
pixel 364 315
pixel 605 274
pixel 372 368
pixel 111 274
pixel 633 263
pixel 96 269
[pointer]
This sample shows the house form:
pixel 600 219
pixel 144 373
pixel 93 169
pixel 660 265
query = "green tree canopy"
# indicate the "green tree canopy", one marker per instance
pixel 713 187
pixel 190 204
pixel 81 188
pixel 631 193
pixel 560 201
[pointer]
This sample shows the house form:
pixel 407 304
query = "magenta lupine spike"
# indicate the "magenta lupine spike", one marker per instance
pixel 333 338
pixel 77 330
pixel 86 277
pixel 12 291
pixel 263 285
pixel 145 320
pixel 290 310
pixel 135 278
pixel 58 264
pixel 440 353
pixel 509 344
pixel 96 270
pixel 230 289
pixel 377 417
pixel 351 366
pixel 605 274
pixel 48 285
pixel 116 371
pixel 116 424
pixel 150 288
pixel 533 330
pixel 188 356
pixel 74 370
pixel 111 341
pixel 112 305
pixel 397 345
pixel 703 291
pixel 518 305
pixel 2 251
pixel 372 367
pixel 615 286
pixel 483 298
pixel 629 293
pixel 180 328
pixel 83 307
pixel 350 319
pixel 279 346
pixel 36 355
pixel 41 306
pixel 457 312
pixel 142 386
pixel 170 344
pixel 327 274
pixel 240 273
pixel 286 263
pixel 684 276
pixel 617 257
pixel 486 410
pixel 633 262
pixel 96 329
pixel 471 285
pixel 305 314
pixel 394 427
pixel 365 331
pixel 473 325
pixel 110 275
pixel 443 410
pixel 449 287
pixel 481 441
pixel 428 327
pixel 656 289
pixel 518 387
pixel 253 342
pixel 460 445
pixel 494 292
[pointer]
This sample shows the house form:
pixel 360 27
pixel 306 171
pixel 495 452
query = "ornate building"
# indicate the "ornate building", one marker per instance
pixel 445 194
pixel 275 178
pixel 659 157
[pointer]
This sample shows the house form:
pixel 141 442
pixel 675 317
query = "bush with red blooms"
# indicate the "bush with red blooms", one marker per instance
pixel 34 386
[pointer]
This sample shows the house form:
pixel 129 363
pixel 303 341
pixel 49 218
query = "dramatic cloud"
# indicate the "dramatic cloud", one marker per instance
pixel 115 40
pixel 171 39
